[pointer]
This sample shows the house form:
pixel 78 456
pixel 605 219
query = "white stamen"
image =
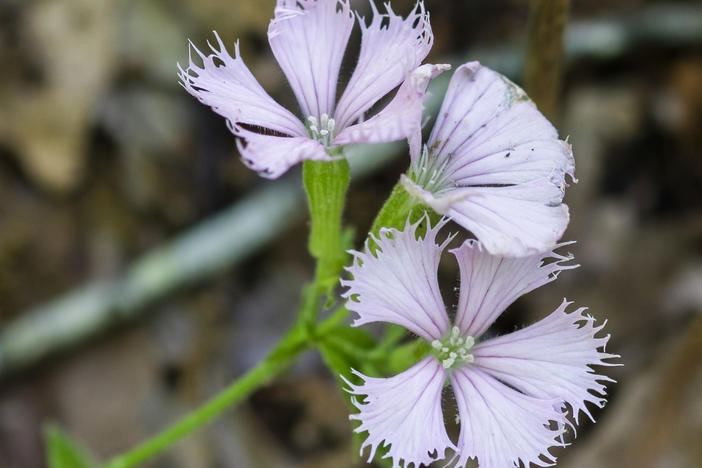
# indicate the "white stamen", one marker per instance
pixel 429 172
pixel 321 129
pixel 454 349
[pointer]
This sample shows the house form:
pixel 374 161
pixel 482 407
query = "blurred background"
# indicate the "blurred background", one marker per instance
pixel 143 267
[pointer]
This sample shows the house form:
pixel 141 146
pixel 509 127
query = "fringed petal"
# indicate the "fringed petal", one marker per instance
pixel 489 284
pixel 308 38
pixel 403 412
pixel 552 358
pixel 271 155
pixel 399 283
pixel 501 167
pixel 226 85
pixel 391 47
pixel 500 426
pixel 401 118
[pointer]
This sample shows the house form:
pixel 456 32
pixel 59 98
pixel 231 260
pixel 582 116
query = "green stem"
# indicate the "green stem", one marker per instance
pixel 292 344
pixel 326 183
pixel 331 322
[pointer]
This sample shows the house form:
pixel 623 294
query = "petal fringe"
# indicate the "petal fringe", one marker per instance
pixel 489 284
pixel 391 47
pixel 552 358
pixel 226 85
pixel 500 426
pixel 403 412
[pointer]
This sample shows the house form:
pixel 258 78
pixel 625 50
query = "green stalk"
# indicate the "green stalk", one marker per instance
pixel 292 344
pixel 326 183
pixel 295 341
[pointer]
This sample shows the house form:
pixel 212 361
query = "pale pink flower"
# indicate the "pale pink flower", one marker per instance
pixel 512 391
pixel 494 164
pixel 308 39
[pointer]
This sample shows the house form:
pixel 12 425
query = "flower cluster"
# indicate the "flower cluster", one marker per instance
pixel 494 165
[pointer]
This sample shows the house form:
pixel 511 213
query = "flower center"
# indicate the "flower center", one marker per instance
pixel 428 171
pixel 321 130
pixel 454 349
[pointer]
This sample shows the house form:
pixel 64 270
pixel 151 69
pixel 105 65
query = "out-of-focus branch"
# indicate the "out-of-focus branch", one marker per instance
pixel 211 246
pixel 668 25
pixel 544 56
pixel 238 232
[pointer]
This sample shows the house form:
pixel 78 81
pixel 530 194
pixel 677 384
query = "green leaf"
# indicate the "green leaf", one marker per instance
pixel 336 360
pixel 358 348
pixel 340 365
pixel 345 347
pixel 393 334
pixel 354 336
pixel 406 355
pixel 62 452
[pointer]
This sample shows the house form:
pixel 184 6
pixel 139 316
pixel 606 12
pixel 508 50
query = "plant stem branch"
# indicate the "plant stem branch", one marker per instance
pixel 294 343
